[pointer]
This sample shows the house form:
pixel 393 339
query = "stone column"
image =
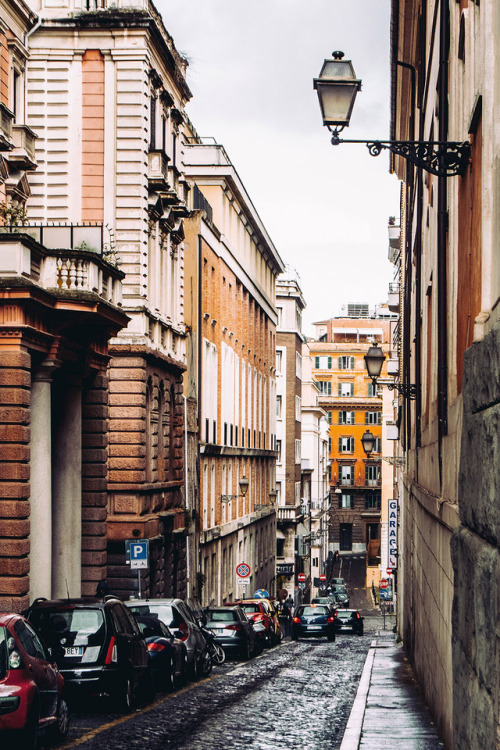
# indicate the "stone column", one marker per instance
pixel 67 492
pixel 41 486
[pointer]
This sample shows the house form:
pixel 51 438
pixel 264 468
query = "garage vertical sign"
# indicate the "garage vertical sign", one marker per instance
pixel 393 534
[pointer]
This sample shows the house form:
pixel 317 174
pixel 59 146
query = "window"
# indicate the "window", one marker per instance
pixel 377 448
pixel 346 474
pixel 346 389
pixel 279 313
pixel 298 365
pixel 346 417
pixel 278 450
pixel 373 417
pixel 298 408
pixel 323 363
pixel 330 417
pixel 372 475
pixel 298 451
pixel 372 389
pixel 329 445
pixel 373 501
pixel 279 358
pixel 278 406
pixel 346 363
pixel 325 387
pixel 280 547
pixel 346 444
pixel 346 500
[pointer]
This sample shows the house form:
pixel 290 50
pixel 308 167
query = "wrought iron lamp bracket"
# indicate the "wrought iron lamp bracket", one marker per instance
pixel 441 158
pixel 407 390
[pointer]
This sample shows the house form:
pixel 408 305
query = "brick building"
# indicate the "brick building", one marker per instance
pixel 231 269
pixel 353 406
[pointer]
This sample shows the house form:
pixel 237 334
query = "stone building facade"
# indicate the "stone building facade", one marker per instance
pixel 60 303
pixel 106 92
pixel 445 59
pixel 231 269
pixel 290 559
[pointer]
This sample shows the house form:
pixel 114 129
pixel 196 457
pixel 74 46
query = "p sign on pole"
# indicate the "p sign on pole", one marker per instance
pixel 139 557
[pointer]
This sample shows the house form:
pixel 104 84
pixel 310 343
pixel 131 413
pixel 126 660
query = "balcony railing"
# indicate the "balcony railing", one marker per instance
pixel 157 169
pixel 60 259
pixel 23 154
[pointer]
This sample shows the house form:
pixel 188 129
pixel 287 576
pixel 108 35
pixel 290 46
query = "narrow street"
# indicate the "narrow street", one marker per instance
pixel 298 694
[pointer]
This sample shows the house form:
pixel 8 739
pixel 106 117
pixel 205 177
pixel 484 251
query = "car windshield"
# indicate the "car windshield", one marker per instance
pixel 308 611
pixel 221 616
pixel 249 608
pixel 73 633
pixel 345 615
pixel 3 652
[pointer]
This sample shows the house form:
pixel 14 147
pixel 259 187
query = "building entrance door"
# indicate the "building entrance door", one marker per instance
pixel 346 536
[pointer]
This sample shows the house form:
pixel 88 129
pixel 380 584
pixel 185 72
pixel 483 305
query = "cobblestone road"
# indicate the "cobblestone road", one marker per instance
pixel 296 695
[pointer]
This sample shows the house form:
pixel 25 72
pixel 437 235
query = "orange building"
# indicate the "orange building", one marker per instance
pixel 353 406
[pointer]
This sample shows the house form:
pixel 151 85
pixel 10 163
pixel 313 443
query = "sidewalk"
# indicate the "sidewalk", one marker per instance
pixel 389 710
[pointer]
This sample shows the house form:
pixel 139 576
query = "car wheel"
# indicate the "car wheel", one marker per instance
pixel 204 664
pixel 219 655
pixel 127 698
pixel 170 676
pixel 183 677
pixel 59 731
pixel 27 738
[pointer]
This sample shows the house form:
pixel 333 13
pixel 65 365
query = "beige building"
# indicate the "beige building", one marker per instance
pixel 446 57
pixel 231 267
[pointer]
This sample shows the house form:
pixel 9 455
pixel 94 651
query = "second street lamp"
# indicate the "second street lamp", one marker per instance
pixel 337 87
pixel 243 490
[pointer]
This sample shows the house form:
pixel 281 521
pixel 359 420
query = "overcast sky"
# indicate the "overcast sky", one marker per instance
pixel 251 68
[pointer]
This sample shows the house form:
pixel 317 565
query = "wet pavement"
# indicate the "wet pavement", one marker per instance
pixel 357 693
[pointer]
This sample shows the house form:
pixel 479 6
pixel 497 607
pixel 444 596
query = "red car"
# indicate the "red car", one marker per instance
pixel 31 687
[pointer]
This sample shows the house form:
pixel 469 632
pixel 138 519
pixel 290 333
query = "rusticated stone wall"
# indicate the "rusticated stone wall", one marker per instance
pixel 476 554
pixel 15 384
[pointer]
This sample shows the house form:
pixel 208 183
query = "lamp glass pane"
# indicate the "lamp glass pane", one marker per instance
pixel 336 100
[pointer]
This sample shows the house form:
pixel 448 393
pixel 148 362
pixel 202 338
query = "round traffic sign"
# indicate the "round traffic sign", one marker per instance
pixel 243 570
pixel 322 577
pixel 384 583
pixel 301 577
pixel 389 571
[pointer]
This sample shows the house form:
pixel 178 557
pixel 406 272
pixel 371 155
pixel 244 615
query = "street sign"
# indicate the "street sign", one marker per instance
pixel 243 570
pixel 301 577
pixel 322 577
pixel 139 553
pixel 389 571
pixel 243 581
pixel 384 583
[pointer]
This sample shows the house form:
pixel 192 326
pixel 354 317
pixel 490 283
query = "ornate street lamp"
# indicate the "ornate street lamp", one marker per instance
pixel 243 490
pixel 374 359
pixel 337 87
pixel 368 442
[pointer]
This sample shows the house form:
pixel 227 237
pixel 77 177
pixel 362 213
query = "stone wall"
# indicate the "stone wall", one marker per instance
pixel 475 551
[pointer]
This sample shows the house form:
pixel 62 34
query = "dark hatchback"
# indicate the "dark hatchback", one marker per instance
pixel 168 654
pixel 98 647
pixel 232 630
pixel 349 620
pixel 313 621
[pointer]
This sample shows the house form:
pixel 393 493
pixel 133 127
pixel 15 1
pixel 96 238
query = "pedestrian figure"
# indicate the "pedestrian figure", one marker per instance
pixel 287 616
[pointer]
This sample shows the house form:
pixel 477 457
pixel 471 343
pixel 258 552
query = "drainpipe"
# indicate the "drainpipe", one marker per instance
pixel 442 268
pixel 186 492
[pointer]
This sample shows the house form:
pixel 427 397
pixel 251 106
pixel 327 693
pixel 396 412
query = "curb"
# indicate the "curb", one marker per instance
pixel 352 734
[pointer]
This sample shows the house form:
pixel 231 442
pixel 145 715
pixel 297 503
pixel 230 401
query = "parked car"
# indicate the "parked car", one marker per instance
pixel 329 600
pixel 349 620
pixel 342 598
pixel 168 654
pixel 264 618
pixel 232 629
pixel 337 582
pixel 31 686
pixel 98 647
pixel 313 621
pixel 177 616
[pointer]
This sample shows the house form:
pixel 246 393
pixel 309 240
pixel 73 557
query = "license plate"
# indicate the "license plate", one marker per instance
pixel 216 631
pixel 315 627
pixel 73 651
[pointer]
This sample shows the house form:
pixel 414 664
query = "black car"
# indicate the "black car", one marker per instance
pixel 313 621
pixel 168 654
pixel 98 647
pixel 232 629
pixel 349 620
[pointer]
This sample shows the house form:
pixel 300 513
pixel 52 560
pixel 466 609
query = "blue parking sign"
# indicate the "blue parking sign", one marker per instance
pixel 139 553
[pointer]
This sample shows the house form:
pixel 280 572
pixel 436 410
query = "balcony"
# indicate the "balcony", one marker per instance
pixel 23 154
pixel 64 259
pixel 6 120
pixel 157 170
pixel 393 367
pixel 393 297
